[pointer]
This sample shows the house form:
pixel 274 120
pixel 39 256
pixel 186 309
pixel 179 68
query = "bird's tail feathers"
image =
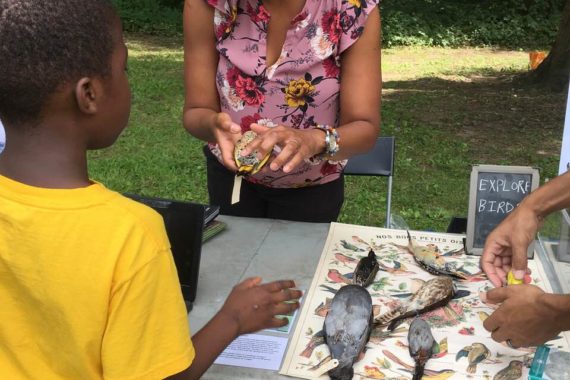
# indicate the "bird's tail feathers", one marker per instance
pixel 389 316
pixel 419 371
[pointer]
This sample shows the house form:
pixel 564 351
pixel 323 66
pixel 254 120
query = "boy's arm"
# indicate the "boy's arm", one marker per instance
pixel 250 307
pixel 147 332
pixel 209 343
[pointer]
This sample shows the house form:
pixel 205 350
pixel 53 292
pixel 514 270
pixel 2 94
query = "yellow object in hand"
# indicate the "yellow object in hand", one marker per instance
pixel 511 280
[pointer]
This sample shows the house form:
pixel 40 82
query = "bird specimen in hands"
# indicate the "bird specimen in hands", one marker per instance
pixel 249 164
pixel 421 342
pixel 347 328
pixel 475 354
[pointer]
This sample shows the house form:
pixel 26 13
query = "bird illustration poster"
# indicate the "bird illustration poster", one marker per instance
pixel 462 347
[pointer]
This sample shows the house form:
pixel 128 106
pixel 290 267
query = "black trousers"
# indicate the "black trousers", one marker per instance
pixel 319 204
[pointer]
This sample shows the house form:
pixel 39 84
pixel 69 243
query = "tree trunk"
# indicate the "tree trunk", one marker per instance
pixel 554 71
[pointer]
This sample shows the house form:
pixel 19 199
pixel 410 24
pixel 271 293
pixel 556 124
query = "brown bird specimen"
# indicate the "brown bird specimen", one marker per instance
pixel 433 294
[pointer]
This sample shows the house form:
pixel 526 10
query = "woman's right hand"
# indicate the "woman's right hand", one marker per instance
pixel 252 306
pixel 226 133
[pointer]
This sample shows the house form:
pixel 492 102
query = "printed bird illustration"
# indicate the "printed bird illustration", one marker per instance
pixel 373 372
pixel 467 330
pixel 350 247
pixel 449 315
pixel 335 276
pixel 366 270
pixel 323 307
pixel 440 349
pixel 345 259
pixel 347 328
pixel 421 341
pixel 483 315
pixel 454 253
pixel 399 269
pixel 512 372
pixel 328 289
pixel 316 340
pixel 429 374
pixel 475 354
pixel 359 240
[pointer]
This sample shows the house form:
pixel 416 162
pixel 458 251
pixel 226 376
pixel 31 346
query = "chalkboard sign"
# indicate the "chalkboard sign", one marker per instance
pixel 494 192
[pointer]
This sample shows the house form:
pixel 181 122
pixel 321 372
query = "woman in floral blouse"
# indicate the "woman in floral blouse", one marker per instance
pixel 290 70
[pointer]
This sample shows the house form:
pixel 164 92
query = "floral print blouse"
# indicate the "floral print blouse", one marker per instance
pixel 301 89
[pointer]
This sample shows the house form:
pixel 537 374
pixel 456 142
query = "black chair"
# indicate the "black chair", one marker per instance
pixel 377 162
pixel 184 222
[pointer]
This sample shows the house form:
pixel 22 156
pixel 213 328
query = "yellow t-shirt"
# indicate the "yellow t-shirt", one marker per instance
pixel 88 287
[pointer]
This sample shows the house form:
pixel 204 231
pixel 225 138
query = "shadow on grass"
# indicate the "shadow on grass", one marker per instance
pixel 490 110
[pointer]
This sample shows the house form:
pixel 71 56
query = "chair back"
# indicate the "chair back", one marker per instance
pixel 377 162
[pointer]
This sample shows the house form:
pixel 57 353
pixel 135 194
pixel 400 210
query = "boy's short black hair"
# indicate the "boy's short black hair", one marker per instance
pixel 47 43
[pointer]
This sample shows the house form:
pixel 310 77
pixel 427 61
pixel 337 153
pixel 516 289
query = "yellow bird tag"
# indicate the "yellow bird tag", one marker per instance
pixel 511 280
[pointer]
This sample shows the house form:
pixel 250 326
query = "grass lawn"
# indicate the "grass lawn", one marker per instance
pixel 448 108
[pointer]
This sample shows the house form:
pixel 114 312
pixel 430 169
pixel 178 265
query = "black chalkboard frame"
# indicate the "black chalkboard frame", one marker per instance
pixel 472 215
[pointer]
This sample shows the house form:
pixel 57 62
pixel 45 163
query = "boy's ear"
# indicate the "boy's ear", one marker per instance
pixel 87 93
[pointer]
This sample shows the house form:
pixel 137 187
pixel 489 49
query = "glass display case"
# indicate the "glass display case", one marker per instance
pixel 554 250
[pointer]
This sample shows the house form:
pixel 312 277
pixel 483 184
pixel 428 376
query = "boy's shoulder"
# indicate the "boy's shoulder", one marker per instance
pixel 135 213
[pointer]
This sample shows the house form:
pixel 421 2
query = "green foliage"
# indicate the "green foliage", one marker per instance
pixel 162 17
pixel 508 23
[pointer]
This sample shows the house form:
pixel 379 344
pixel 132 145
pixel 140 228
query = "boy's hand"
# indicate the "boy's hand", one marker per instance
pixel 252 306
pixel 227 133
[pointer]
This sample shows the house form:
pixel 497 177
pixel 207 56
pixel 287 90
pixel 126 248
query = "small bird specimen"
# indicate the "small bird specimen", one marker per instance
pixel 512 372
pixel 347 328
pixel 433 294
pixel 431 260
pixel 421 342
pixel 366 270
pixel 475 354
pixel 249 164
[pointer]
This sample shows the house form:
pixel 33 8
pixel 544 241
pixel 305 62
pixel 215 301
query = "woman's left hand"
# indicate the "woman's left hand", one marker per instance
pixel 296 145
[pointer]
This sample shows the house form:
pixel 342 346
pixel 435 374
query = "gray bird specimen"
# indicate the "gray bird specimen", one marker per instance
pixel 421 343
pixel 366 270
pixel 347 328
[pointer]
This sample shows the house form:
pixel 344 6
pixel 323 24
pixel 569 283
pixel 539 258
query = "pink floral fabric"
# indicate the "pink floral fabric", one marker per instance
pixel 301 89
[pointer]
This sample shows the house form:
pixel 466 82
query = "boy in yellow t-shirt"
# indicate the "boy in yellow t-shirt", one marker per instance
pixel 88 287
